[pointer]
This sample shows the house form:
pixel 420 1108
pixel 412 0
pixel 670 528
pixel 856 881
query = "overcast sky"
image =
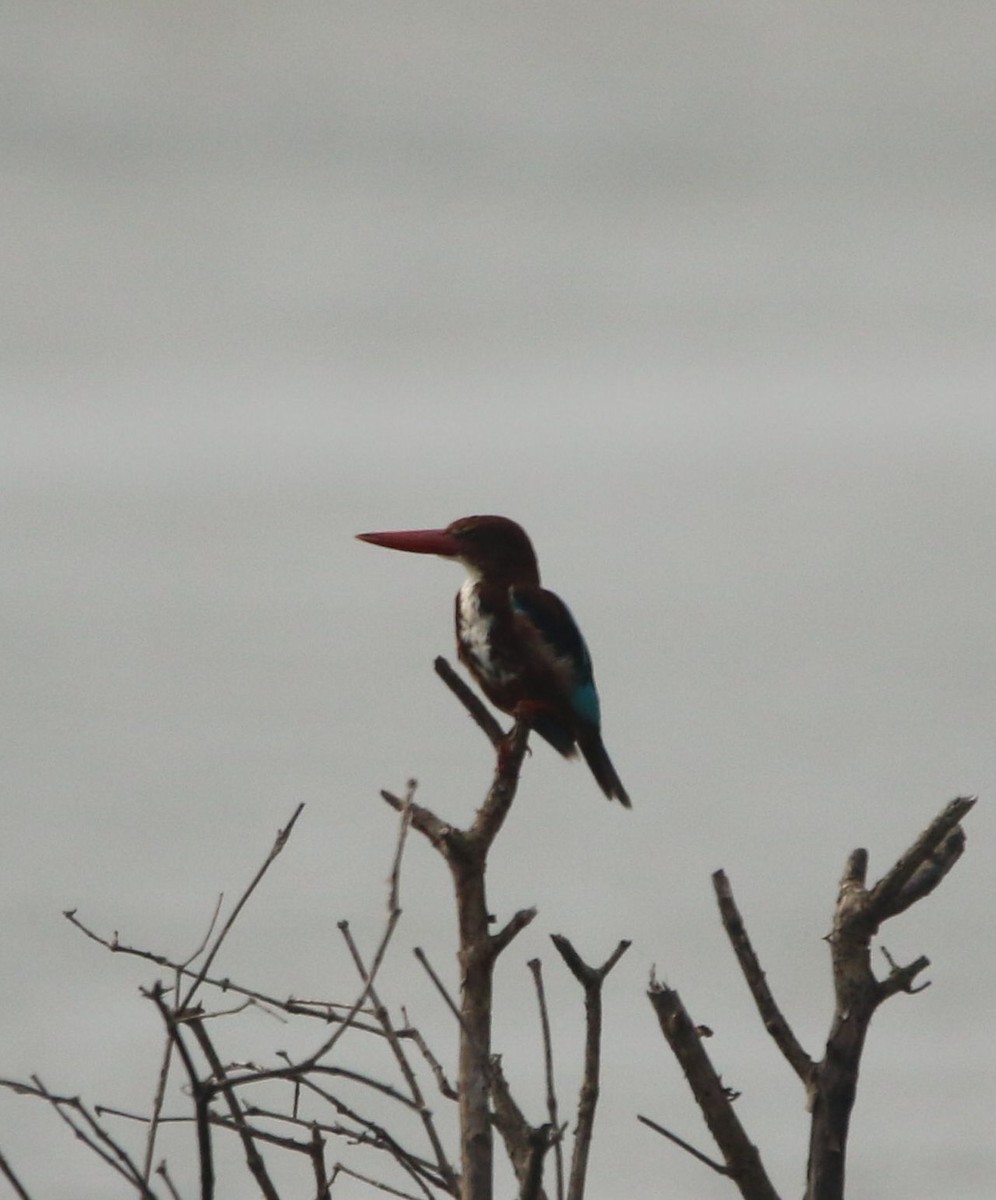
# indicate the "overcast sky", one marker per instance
pixel 704 296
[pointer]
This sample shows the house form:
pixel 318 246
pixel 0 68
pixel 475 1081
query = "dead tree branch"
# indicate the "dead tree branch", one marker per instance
pixel 411 1079
pixel 278 844
pixel 743 1163
pixel 591 980
pixel 517 1134
pixel 87 1129
pixel 774 1022
pixel 8 1173
pixel 857 992
pixel 465 853
pixel 475 706
pixel 831 1083
pixel 536 967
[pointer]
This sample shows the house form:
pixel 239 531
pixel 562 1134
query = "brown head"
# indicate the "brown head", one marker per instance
pixel 494 548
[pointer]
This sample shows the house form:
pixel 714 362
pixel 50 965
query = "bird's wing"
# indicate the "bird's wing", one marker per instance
pixel 560 640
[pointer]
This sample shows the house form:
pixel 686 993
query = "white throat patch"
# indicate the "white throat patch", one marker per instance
pixel 474 628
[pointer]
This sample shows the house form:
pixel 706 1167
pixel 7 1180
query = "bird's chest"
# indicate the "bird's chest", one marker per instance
pixel 483 639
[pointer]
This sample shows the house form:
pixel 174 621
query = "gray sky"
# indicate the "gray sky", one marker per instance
pixel 701 294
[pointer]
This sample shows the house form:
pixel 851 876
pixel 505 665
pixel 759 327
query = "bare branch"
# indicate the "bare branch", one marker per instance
pixel 451 1004
pixel 322 1010
pixel 516 1132
pixel 774 1022
pixel 278 844
pixel 900 979
pixel 465 852
pixel 202 946
pixel 536 967
pixel 424 820
pixel 492 813
pixel 478 710
pixel 254 1159
pixel 163 1171
pixel 515 924
pixel 686 1146
pixel 885 899
pixel 435 1066
pixel 87 1129
pixel 157 1108
pixel 200 1093
pixel 743 1163
pixel 425 1113
pixel 318 1165
pixel 539 1144
pixel 367 1133
pixel 858 993
pixel 342 1169
pixel 8 1173
pixel 591 980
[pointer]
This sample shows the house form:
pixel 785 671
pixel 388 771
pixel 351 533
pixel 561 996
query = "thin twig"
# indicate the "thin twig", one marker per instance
pixel 342 1169
pixel 415 1090
pixel 157 1107
pixel 435 1066
pixel 11 1177
pixel 278 844
pixel 254 1160
pixel 207 935
pixel 200 1093
pixel 536 967
pixel 163 1170
pixel 321 1010
pixel 86 1129
pixel 367 1133
pixel 687 1146
pixel 440 986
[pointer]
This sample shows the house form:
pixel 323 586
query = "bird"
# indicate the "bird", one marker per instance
pixel 517 639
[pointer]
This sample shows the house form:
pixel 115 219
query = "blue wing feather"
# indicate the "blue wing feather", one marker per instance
pixel 552 620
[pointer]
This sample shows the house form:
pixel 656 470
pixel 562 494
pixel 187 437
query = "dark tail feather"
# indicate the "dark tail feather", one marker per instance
pixel 601 766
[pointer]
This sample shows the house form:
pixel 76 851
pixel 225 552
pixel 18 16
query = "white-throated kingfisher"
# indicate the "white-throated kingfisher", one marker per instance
pixel 518 640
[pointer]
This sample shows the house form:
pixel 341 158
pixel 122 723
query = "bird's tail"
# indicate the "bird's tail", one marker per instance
pixel 559 735
pixel 595 755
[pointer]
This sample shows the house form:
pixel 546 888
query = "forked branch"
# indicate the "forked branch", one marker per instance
pixel 858 993
pixel 831 1083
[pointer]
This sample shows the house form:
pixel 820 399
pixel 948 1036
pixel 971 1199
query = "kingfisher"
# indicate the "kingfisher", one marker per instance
pixel 518 640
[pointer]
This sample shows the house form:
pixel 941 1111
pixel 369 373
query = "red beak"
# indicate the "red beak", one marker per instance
pixel 416 541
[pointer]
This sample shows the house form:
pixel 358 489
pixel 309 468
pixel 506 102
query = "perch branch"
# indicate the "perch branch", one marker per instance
pixel 478 710
pixel 465 852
